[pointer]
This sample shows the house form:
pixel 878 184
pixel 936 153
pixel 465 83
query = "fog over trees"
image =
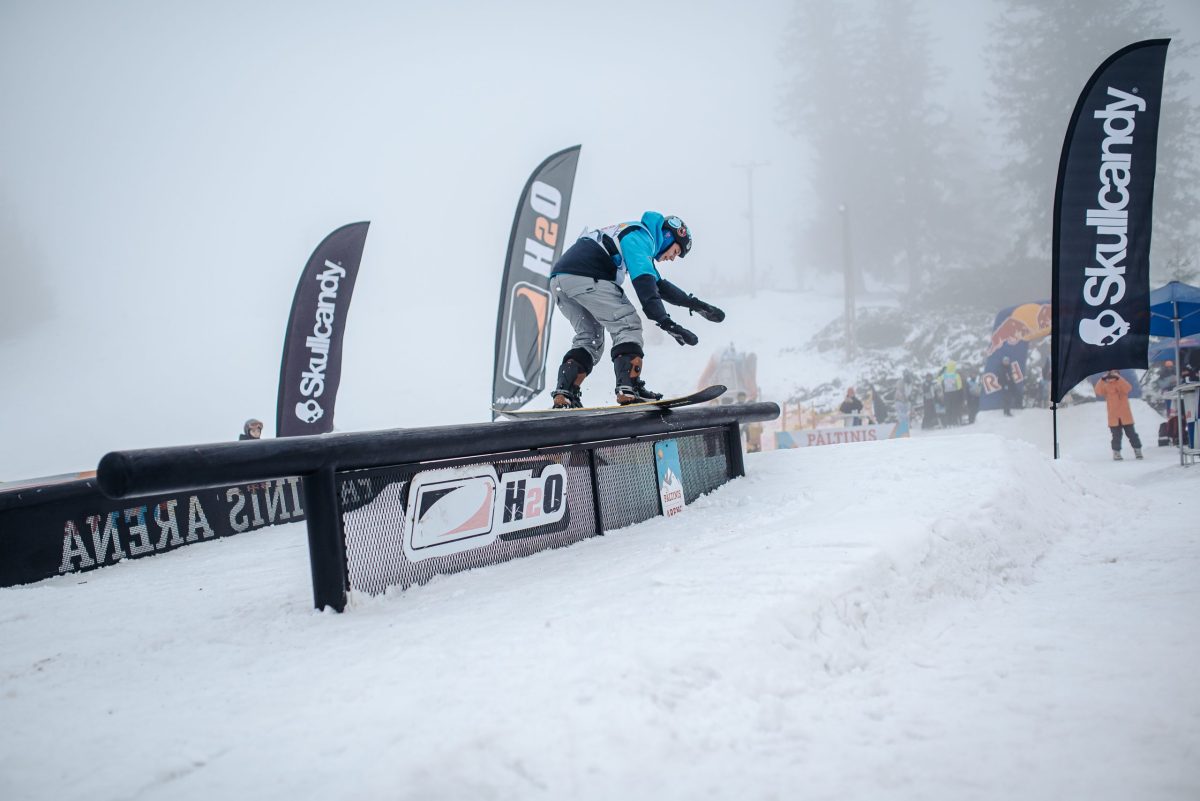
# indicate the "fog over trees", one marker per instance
pixel 948 193
pixel 1033 40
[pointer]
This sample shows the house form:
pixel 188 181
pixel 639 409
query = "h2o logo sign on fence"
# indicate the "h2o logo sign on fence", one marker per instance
pixel 463 508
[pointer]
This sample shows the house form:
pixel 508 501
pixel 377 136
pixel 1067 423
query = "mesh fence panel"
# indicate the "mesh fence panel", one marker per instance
pixel 374 507
pixel 628 484
pixel 705 463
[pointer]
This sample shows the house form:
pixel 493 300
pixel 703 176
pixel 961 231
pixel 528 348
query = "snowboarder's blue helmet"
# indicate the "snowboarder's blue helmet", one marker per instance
pixel 680 233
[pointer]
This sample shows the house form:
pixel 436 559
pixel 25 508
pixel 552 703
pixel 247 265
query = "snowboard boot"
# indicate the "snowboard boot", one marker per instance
pixel 627 365
pixel 1117 456
pixel 575 367
pixel 1137 453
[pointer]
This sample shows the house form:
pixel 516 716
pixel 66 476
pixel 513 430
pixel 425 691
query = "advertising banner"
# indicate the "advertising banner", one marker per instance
pixel 813 437
pixel 1015 329
pixel 670 477
pixel 1103 211
pixel 72 527
pixel 536 242
pixel 312 348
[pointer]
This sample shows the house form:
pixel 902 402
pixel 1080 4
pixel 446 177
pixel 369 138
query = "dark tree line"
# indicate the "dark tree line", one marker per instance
pixel 1041 54
pixel 935 204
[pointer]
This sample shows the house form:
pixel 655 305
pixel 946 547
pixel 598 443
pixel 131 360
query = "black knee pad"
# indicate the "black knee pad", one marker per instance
pixel 582 357
pixel 626 349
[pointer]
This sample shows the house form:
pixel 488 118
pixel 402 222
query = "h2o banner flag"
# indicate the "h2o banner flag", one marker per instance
pixel 536 242
pixel 312 348
pixel 1102 218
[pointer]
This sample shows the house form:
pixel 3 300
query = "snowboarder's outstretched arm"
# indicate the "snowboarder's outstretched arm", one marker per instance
pixel 674 295
pixel 652 289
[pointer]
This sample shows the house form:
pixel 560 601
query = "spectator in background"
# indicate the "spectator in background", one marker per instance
pixel 974 390
pixel 952 389
pixel 939 402
pixel 879 407
pixel 928 411
pixel 1007 385
pixel 851 405
pixel 251 430
pixel 1115 391
pixel 901 397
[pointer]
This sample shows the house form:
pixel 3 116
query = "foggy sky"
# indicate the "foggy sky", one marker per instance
pixel 167 169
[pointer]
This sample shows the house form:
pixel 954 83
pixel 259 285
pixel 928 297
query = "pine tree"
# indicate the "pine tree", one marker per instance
pixel 1041 56
pixel 861 97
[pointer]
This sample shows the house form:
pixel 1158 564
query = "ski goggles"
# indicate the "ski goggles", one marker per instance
pixel 680 233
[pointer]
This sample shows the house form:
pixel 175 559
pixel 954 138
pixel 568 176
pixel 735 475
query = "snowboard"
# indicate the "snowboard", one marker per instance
pixel 703 396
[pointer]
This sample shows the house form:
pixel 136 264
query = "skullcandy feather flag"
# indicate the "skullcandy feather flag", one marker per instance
pixel 312 347
pixel 1102 219
pixel 536 242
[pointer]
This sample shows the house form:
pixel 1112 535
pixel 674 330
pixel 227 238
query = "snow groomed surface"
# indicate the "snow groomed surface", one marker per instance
pixel 947 617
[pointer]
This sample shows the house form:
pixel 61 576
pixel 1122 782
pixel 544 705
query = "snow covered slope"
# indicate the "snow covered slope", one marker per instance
pixel 947 617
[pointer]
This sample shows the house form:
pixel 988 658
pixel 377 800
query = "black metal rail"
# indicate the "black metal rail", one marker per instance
pixel 317 460
pixel 143 472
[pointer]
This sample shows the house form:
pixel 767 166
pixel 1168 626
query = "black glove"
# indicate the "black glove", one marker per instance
pixel 705 310
pixel 681 334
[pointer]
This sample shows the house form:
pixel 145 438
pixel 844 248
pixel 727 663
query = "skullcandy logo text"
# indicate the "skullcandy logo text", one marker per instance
pixel 312 380
pixel 1105 284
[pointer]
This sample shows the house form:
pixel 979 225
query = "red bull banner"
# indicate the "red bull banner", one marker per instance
pixel 1015 328
pixel 1103 211
pixel 536 242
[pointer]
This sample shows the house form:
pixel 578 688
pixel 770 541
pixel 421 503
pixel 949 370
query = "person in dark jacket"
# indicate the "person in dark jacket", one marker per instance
pixel 974 390
pixel 952 389
pixel 1007 385
pixel 251 430
pixel 851 405
pixel 928 409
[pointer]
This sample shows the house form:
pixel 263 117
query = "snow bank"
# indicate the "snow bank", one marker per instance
pixel 699 655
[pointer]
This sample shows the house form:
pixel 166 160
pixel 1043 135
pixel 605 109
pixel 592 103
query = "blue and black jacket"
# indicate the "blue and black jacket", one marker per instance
pixel 608 254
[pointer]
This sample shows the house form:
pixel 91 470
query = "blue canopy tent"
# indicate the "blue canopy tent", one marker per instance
pixel 1166 351
pixel 1175 313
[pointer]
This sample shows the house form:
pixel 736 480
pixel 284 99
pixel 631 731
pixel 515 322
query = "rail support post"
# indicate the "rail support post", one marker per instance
pixel 326 552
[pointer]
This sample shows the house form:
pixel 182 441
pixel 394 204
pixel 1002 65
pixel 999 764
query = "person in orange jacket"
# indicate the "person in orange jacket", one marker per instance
pixel 1115 391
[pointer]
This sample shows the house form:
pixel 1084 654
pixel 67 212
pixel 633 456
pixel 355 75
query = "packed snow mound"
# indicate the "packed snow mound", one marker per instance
pixel 679 654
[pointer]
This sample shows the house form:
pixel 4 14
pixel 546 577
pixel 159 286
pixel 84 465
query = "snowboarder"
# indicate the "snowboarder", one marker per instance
pixel 586 283
pixel 1115 391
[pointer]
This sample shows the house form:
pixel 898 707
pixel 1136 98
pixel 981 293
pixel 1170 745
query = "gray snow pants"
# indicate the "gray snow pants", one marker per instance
pixel 592 306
